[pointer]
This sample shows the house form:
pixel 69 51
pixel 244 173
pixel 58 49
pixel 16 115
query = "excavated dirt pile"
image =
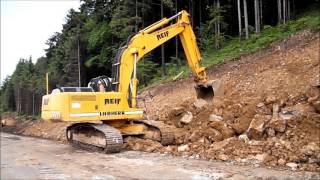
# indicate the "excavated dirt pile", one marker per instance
pixel 270 112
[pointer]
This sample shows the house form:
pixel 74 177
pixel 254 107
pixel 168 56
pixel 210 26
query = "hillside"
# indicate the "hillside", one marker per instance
pixel 268 115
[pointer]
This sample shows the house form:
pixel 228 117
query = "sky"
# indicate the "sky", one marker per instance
pixel 26 26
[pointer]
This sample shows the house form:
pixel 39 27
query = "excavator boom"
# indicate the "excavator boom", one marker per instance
pixel 152 37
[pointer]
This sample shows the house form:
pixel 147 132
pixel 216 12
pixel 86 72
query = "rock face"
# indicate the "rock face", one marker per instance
pixel 187 118
pixel 257 126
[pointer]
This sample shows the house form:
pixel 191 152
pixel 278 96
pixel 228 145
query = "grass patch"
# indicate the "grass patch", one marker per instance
pixel 234 47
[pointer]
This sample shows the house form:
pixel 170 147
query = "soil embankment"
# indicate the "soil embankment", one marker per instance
pixel 270 113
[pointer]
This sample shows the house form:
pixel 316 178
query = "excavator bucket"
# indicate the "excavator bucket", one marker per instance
pixel 209 90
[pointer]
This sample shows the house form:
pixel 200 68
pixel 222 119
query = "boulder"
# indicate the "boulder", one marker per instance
pixel 187 118
pixel 260 105
pixel 223 157
pixel 292 165
pixel 260 157
pixel 270 99
pixel 222 127
pixel 257 126
pixel 311 148
pixel 244 137
pixel 271 132
pixel 214 117
pixel 262 109
pixel 195 136
pixel 183 148
pixel 217 146
pixel 241 125
pixel 200 103
pixel 281 162
pixel 275 111
pixel 278 124
pixel 213 135
pixel 177 111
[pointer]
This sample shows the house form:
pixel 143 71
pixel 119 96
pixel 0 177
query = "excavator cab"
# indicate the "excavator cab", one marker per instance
pixel 210 90
pixel 101 84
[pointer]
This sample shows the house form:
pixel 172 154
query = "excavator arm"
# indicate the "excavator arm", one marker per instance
pixel 152 37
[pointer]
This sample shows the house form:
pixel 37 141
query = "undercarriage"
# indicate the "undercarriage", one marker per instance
pixel 108 136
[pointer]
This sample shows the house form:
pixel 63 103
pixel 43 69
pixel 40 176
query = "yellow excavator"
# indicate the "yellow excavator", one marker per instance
pixel 106 111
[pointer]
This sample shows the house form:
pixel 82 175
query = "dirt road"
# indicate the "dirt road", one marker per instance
pixel 34 158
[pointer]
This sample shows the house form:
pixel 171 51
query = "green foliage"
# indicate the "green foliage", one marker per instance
pixel 6 96
pixel 208 31
pixel 146 71
pixel 234 48
pixel 123 20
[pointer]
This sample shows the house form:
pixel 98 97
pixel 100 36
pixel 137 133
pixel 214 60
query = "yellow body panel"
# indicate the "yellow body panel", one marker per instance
pixel 88 106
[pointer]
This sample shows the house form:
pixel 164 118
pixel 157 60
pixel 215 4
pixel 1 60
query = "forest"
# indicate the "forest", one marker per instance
pixel 92 35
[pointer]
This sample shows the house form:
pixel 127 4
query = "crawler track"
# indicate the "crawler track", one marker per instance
pixel 167 135
pixel 112 138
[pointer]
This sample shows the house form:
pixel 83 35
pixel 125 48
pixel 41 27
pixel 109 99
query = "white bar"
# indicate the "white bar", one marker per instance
pixel 84 114
pixel 133 112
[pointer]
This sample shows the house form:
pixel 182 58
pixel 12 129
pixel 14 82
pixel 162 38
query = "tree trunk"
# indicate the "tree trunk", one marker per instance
pixel 19 104
pixel 293 9
pixel 215 23
pixel 79 63
pixel 191 11
pixel 279 12
pixel 246 18
pixel 284 11
pixel 239 18
pixel 33 103
pixel 289 9
pixel 257 15
pixel 261 14
pixel 215 27
pixel 192 16
pixel 136 21
pixel 200 17
pixel 218 6
pixel 163 65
